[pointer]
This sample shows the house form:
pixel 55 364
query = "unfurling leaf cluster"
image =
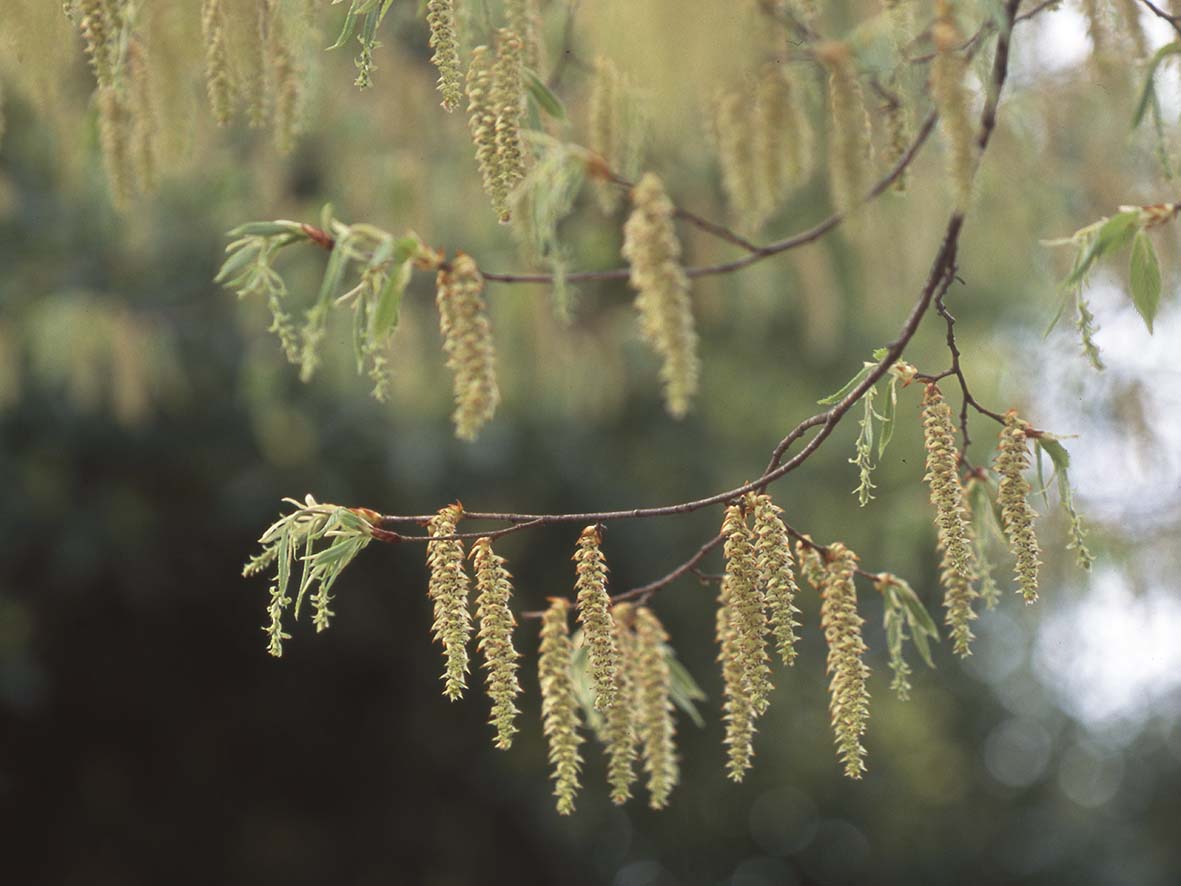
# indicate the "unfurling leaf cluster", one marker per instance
pixel 323 539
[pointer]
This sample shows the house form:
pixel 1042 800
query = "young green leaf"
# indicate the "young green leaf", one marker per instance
pixel 847 387
pixel 541 94
pixel 1145 279
pixel 1149 89
pixel 1111 237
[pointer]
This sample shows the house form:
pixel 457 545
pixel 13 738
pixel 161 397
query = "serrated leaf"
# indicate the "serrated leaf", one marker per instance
pixel 545 98
pixel 1145 279
pixel 333 274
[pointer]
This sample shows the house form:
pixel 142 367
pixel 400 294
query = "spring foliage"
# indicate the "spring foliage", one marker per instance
pixel 619 673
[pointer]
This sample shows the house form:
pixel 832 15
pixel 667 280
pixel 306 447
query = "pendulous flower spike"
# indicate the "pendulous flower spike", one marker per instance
pixel 559 706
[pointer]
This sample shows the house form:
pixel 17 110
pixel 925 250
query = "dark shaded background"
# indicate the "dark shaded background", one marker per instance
pixel 146 737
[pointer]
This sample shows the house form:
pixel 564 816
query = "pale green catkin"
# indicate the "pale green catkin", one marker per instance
pixel 99 23
pixel 115 126
pixel 467 342
pixel 848 145
pixel 594 612
pixel 951 519
pixel 654 708
pixel 619 733
pixel 776 574
pixel 524 19
pixel 507 100
pixel 559 705
pixel 783 137
pixel 284 81
pixel 848 693
pixel 494 592
pixel 219 82
pixel 948 72
pixel 898 134
pixel 653 252
pixel 440 16
pixel 603 127
pixel 482 124
pixel 1012 459
pixel 448 589
pixel 1134 27
pixel 142 110
pixel 737 158
pixel 742 632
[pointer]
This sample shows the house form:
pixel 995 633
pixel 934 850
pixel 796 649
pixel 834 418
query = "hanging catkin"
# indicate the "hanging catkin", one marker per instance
pixel 559 705
pixel 448 590
pixel 948 71
pixel 218 79
pixel 440 16
pixel 1012 458
pixel 742 626
pixel 951 519
pixel 848 143
pixel 653 252
pixel 783 140
pixel 848 696
pixel 594 612
pixel 467 342
pixel 654 708
pixel 776 574
pixel 739 161
pixel 507 99
pixel 494 591
pixel 619 734
pixel 482 124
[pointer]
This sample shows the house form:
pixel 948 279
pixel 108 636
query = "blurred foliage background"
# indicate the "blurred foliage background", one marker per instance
pixel 149 427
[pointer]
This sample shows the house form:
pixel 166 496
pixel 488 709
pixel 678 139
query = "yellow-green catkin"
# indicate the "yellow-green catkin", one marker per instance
pixel 742 628
pixel 1134 27
pixel 776 574
pixel 448 589
pixel 467 342
pixel 848 694
pixel 219 81
pixel 602 127
pixel 653 252
pixel 482 123
pixel 951 520
pixel 736 130
pixel 898 136
pixel 1017 516
pixel 594 612
pixel 142 109
pixel 950 92
pixel 615 130
pixel 811 562
pixel 655 726
pixel 783 141
pixel 524 19
pixel 100 24
pixel 559 705
pixel 115 126
pixel 507 100
pixel 848 147
pixel 440 15
pixel 619 733
pixel 494 590
pixel 283 80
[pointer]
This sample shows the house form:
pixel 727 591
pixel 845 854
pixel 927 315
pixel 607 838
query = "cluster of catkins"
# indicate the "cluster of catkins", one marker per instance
pixel 626 651
pixel 765 143
pixel 126 107
pixel 963 564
